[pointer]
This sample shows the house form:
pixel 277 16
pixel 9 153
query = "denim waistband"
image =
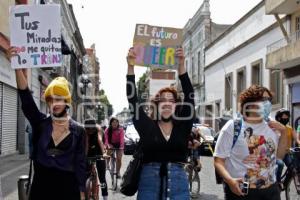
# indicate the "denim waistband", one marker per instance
pixel 169 164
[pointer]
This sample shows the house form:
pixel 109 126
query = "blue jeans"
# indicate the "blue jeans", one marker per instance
pixel 280 164
pixel 196 154
pixel 150 183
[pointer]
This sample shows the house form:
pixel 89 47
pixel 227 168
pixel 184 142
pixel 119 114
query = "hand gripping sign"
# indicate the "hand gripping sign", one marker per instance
pixel 156 46
pixel 35 31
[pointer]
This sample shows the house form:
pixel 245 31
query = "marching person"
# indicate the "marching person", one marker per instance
pixel 283 116
pixel 194 144
pixel 164 136
pixel 58 142
pixel 95 147
pixel 114 139
pixel 245 155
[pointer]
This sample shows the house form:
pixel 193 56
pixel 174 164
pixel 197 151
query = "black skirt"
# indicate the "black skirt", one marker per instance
pixel 51 183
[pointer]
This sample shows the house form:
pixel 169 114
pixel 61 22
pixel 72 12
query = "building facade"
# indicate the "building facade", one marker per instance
pixel 73 51
pixel 91 69
pixel 12 122
pixel 237 59
pixel 13 125
pixel 198 33
pixel 284 54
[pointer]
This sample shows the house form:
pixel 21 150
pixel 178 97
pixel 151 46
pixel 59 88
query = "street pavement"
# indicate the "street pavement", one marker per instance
pixel 12 167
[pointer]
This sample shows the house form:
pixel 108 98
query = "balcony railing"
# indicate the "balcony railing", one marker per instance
pixel 283 42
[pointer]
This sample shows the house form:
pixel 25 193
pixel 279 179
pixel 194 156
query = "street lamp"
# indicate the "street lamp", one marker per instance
pixel 84 84
pixel 100 111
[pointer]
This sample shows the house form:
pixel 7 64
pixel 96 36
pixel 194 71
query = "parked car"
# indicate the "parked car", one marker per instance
pixel 131 140
pixel 208 134
pixel 222 121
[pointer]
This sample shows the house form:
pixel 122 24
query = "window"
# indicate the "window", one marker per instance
pixel 241 81
pixel 297 28
pixel 193 69
pixel 21 1
pixel 228 91
pixel 208 115
pixel 256 75
pixel 275 86
pixel 199 67
pixel 187 66
pixel 217 109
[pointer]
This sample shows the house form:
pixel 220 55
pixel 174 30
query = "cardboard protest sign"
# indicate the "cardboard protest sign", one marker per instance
pixel 155 46
pixel 36 33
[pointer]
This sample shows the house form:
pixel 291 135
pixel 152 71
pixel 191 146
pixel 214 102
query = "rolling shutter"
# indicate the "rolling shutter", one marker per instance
pixel 9 120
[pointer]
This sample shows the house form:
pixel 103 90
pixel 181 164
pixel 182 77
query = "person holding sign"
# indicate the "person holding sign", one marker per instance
pixel 164 135
pixel 58 142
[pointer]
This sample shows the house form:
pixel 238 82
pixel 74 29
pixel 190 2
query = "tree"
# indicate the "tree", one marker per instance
pixel 142 88
pixel 105 104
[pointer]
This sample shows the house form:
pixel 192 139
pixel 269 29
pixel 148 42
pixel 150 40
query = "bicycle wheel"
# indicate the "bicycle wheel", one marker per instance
pixel 195 184
pixel 95 187
pixel 291 192
pixel 115 185
pixel 113 174
pixel 88 185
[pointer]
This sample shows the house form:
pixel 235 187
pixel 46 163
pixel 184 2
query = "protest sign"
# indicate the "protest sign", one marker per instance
pixel 35 31
pixel 156 46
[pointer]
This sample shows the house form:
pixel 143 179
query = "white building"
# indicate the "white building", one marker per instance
pixel 284 54
pixel 237 59
pixel 198 32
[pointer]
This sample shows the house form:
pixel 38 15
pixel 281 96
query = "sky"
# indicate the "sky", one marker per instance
pixel 110 24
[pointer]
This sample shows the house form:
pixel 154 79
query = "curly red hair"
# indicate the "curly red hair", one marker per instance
pixel 154 101
pixel 252 94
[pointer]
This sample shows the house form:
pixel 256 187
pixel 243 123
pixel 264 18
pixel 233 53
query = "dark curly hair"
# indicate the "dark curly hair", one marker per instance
pixel 253 94
pixel 154 101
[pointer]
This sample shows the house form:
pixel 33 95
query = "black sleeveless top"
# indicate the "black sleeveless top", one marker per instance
pixel 94 148
pixel 61 147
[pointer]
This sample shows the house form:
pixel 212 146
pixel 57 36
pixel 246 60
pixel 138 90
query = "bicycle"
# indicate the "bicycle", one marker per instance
pixel 192 172
pixel 113 168
pixel 92 182
pixel 292 174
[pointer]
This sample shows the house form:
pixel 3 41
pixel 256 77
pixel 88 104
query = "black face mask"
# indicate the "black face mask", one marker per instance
pixel 166 119
pixel 284 121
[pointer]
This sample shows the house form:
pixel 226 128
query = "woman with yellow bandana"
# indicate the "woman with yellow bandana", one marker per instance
pixel 58 142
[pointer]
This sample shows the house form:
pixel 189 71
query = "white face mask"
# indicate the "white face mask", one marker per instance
pixel 265 111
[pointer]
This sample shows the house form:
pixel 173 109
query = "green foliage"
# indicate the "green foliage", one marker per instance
pixel 105 104
pixel 141 87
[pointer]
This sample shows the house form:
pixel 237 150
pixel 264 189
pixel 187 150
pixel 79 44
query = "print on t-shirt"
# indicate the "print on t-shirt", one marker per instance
pixel 261 163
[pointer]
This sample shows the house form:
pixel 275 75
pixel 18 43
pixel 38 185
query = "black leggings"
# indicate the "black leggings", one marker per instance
pixel 270 193
pixel 101 168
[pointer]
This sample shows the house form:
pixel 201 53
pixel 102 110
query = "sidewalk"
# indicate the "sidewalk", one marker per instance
pixel 11 167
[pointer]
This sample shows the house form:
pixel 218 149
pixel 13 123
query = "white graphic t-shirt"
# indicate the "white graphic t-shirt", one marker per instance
pixel 253 157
